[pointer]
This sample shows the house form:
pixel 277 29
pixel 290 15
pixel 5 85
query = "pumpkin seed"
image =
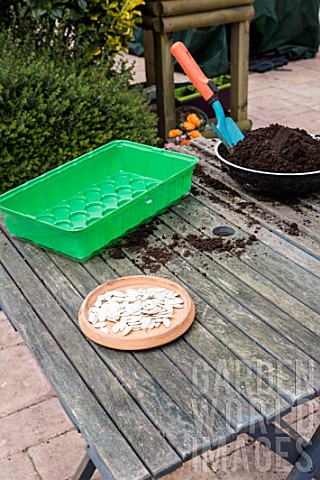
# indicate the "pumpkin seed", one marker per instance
pixel 133 310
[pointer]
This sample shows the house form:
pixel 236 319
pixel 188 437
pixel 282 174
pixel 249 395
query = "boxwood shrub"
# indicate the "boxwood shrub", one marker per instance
pixel 53 110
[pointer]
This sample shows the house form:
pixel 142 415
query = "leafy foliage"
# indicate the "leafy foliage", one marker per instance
pixel 53 110
pixel 89 25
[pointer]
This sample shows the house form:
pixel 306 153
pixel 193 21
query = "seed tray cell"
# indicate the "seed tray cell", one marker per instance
pixel 103 198
pixel 81 207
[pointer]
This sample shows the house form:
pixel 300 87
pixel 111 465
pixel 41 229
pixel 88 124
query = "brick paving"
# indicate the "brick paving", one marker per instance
pixel 38 442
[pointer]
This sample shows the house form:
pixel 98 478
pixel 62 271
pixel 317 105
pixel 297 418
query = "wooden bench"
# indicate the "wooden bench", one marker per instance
pixel 162 18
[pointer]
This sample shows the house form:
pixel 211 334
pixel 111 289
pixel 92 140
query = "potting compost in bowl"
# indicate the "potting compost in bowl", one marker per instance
pixel 275 160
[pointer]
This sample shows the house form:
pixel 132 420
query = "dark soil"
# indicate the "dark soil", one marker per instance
pixel 276 149
pixel 137 242
pixel 210 181
pixel 153 258
pixel 291 228
pixel 236 246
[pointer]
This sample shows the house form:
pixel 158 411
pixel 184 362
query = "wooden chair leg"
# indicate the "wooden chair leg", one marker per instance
pixel 239 70
pixel 149 59
pixel 164 83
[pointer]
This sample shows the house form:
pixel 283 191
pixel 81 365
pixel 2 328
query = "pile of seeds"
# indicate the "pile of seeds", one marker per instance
pixel 132 310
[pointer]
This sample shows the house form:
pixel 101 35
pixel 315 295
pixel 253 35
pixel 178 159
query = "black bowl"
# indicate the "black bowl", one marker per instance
pixel 271 183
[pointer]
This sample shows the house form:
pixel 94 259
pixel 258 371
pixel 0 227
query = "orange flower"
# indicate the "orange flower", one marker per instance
pixel 174 133
pixel 195 134
pixel 193 118
pixel 189 125
pixel 184 142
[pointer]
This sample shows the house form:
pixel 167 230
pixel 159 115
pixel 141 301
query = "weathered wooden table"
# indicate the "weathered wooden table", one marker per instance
pixel 250 356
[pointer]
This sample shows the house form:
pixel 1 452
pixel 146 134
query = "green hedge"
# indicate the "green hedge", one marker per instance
pixel 89 26
pixel 54 110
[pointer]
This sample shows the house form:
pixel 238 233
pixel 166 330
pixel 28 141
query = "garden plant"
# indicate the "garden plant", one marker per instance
pixel 58 101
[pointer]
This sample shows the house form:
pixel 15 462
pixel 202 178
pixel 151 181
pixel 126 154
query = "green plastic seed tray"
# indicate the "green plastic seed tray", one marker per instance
pixel 83 206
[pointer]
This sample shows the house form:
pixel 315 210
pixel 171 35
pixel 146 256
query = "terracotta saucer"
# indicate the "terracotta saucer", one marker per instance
pixel 141 339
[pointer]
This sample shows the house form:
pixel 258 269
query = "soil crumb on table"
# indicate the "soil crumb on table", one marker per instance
pixel 236 246
pixel 276 149
pixel 152 257
pixel 291 228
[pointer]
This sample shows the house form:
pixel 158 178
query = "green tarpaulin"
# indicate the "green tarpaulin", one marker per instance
pixel 208 47
pixel 282 26
pixel 286 26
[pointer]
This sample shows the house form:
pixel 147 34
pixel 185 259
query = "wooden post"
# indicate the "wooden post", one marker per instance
pixel 164 83
pixel 239 70
pixel 149 58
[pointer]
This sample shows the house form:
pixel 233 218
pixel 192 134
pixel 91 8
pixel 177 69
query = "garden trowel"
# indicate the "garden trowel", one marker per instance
pixel 226 129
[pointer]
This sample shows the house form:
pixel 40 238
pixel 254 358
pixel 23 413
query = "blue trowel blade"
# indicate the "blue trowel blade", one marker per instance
pixel 226 129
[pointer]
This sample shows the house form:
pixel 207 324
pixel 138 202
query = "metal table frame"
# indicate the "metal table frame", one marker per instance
pixel 305 456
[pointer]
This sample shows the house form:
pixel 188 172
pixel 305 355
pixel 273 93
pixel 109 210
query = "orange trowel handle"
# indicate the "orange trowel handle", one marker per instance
pixel 204 86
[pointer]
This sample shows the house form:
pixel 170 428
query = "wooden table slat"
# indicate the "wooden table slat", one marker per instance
pixel 80 404
pixel 280 271
pixel 153 449
pixel 78 276
pixel 157 405
pixel 256 280
pixel 268 411
pixel 181 384
pixel 48 274
pixel 312 203
pixel 260 394
pixel 295 359
pixel 231 212
pixel 306 219
pixel 247 297
pixel 187 396
pixel 215 388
